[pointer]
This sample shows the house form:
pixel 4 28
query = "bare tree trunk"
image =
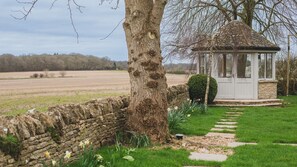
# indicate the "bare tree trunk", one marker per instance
pixel 208 75
pixel 147 112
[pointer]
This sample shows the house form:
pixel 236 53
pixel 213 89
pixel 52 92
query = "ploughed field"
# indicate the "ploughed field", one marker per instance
pixel 20 93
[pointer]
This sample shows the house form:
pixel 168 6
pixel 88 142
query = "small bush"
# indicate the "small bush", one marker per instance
pixel 62 74
pixel 41 75
pixel 10 145
pixel 197 88
pixel 35 75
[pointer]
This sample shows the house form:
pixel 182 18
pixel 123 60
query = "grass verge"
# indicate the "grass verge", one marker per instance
pixel 19 105
pixel 263 156
pixel 154 158
pixel 269 124
pixel 200 124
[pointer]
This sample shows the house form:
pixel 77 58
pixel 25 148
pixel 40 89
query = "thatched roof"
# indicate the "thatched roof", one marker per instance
pixel 236 35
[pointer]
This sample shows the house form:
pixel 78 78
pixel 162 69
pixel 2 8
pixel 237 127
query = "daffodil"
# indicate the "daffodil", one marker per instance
pixel 188 115
pixel 168 109
pixel 99 157
pixel 87 142
pixel 54 162
pixel 67 155
pixel 47 155
pixel 82 144
pixel 175 107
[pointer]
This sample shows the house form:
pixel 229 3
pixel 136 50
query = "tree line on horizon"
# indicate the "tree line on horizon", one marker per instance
pixel 73 62
pixel 57 62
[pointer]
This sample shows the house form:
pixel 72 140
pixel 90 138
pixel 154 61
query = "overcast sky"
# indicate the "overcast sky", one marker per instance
pixel 49 30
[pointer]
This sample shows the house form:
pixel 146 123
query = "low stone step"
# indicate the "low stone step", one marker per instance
pixel 208 157
pixel 226 123
pixel 234 113
pixel 224 135
pixel 237 144
pixel 222 130
pixel 226 126
pixel 286 144
pixel 237 109
pixel 273 104
pixel 227 120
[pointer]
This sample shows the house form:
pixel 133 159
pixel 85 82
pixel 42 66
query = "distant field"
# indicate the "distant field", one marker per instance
pixel 19 92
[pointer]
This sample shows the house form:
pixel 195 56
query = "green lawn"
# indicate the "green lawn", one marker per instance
pixel 200 124
pixel 263 156
pixel 265 125
pixel 155 158
pixel 269 124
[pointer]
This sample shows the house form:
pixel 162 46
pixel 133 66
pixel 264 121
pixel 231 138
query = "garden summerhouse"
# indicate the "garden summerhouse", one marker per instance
pixel 243 62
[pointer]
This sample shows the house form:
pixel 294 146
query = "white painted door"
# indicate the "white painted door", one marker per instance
pixel 243 76
pixel 235 76
pixel 223 73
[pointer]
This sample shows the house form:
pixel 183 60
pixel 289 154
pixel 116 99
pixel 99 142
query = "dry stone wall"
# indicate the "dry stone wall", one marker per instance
pixel 63 127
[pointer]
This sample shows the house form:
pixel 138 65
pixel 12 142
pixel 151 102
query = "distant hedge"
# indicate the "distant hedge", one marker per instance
pixel 57 62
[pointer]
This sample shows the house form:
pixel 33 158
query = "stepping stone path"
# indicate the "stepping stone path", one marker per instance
pixel 225 128
pixel 228 124
pixel 208 157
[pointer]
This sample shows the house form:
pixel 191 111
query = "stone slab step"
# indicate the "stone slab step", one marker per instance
pixel 226 123
pixel 224 135
pixel 234 113
pixel 249 105
pixel 221 130
pixel 226 126
pixel 237 144
pixel 236 109
pixel 208 157
pixel 219 101
pixel 286 144
pixel 227 120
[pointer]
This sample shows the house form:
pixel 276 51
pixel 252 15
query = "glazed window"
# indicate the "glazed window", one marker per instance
pixel 265 65
pixel 225 65
pixel 244 66
pixel 203 64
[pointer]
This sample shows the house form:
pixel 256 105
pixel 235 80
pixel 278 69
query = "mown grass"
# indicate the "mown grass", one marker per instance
pixel 19 105
pixel 263 156
pixel 200 123
pixel 269 124
pixel 145 157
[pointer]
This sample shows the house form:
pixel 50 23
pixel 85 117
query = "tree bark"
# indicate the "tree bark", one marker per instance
pixel 147 111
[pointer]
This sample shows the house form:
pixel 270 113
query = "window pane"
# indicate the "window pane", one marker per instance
pixel 225 65
pixel 261 60
pixel 269 66
pixel 203 63
pixel 244 66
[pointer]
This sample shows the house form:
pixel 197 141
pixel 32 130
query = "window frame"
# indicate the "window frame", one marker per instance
pixel 265 66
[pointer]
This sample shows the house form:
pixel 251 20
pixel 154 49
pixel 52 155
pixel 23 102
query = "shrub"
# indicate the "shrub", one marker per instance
pixel 10 145
pixel 197 88
pixel 35 75
pixel 62 74
pixel 41 75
